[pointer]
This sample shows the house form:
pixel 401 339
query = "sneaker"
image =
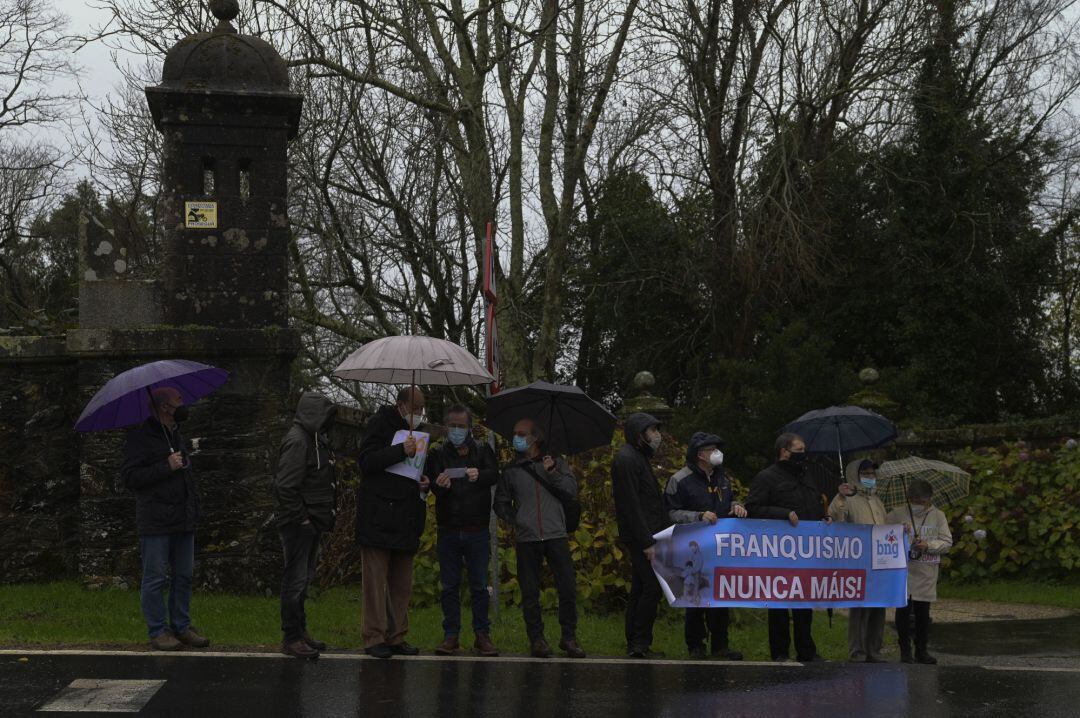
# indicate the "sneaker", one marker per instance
pixel 312 643
pixel 484 646
pixel 697 653
pixel 165 641
pixel 573 650
pixel 726 654
pixel 541 649
pixel 382 650
pixel 405 649
pixel 299 649
pixel 448 647
pixel 191 638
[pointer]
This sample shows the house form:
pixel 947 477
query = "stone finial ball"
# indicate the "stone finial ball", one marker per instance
pixel 980 534
pixel 644 380
pixel 225 10
pixel 869 375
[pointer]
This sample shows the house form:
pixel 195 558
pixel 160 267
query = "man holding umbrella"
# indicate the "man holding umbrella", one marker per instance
pixel 526 498
pixel 157 469
pixel 784 492
pixel 639 511
pixel 390 513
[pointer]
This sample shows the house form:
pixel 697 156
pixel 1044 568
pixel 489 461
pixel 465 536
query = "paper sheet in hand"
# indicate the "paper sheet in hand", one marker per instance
pixel 413 466
pixel 455 473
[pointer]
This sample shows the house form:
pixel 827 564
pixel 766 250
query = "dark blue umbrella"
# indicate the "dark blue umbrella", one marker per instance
pixel 572 421
pixel 125 399
pixel 840 429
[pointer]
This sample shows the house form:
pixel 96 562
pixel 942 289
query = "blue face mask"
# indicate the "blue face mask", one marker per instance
pixel 521 444
pixel 867 483
pixel 457 435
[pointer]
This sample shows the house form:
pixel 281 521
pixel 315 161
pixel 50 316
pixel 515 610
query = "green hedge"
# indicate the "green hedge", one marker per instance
pixel 1027 500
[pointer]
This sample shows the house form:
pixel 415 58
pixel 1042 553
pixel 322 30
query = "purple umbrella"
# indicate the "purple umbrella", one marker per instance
pixel 125 399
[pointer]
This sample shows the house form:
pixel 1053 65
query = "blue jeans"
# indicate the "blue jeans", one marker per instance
pixel 471 549
pixel 159 554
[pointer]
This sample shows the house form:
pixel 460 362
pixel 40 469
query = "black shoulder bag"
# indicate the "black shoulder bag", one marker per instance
pixel 571 506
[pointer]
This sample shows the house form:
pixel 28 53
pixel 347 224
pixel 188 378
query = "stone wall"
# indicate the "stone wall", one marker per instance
pixel 39 477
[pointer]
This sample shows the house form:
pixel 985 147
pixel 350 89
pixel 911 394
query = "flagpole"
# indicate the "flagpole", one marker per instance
pixel 490 300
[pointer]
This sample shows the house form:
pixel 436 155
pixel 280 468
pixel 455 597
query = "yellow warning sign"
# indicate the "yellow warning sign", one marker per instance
pixel 200 215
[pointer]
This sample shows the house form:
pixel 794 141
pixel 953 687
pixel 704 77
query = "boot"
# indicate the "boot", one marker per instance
pixel 312 643
pixel 299 649
pixel 905 652
pixel 191 638
pixel 573 650
pixel 448 647
pixel 922 656
pixel 484 646
pixel 165 641
pixel 541 649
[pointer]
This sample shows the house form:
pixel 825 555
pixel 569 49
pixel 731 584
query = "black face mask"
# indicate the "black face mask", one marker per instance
pixel 797 458
pixel 180 414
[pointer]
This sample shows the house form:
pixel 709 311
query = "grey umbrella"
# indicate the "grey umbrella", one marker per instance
pixel 413 360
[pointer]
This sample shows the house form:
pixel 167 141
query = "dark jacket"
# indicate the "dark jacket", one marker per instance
pixel 639 503
pixel 390 512
pixel 466 505
pixel 304 486
pixel 782 488
pixel 166 501
pixel 689 492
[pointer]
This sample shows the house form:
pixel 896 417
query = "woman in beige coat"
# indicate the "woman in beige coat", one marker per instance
pixel 856 503
pixel 931 537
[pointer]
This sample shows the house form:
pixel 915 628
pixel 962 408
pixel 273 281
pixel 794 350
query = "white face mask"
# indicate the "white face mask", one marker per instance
pixel 413 420
pixel 716 458
pixel 654 441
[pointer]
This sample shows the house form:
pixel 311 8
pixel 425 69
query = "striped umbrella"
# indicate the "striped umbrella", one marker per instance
pixel 950 483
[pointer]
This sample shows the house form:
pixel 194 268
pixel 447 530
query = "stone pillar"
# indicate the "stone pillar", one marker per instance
pixel 226 113
pixel 641 399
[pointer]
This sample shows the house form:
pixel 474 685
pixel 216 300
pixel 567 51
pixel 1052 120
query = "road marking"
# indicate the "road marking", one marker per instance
pixel 363 657
pixel 1041 669
pixel 100 695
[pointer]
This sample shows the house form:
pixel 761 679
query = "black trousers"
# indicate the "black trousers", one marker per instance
pixel 530 562
pixel 779 636
pixel 642 602
pixel 300 544
pixel 701 623
pixel 922 625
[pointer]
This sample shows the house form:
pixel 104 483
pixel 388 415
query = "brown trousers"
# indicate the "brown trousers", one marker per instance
pixel 387 589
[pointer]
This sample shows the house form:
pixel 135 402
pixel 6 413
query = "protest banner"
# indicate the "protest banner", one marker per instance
pixel 413 466
pixel 770 564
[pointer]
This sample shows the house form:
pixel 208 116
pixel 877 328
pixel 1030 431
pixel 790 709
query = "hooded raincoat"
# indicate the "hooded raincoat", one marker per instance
pixel 305 488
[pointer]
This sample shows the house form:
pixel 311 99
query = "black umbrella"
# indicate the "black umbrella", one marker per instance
pixel 842 429
pixel 571 421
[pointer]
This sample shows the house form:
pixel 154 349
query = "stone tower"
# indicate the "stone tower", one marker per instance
pixel 227 115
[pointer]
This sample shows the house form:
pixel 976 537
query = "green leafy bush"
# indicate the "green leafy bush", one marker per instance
pixel 1027 500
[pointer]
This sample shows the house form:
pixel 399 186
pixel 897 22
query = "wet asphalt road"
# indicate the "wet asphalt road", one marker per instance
pixel 351 686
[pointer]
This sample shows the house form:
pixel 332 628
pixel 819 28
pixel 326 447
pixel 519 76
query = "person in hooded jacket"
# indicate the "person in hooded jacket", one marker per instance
pixel 305 498
pixel 784 492
pixel 639 512
pixel 539 522
pixel 857 503
pixel 157 469
pixel 701 491
pixel 463 515
pixel 390 514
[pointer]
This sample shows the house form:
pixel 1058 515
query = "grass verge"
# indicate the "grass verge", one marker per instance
pixel 66 614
